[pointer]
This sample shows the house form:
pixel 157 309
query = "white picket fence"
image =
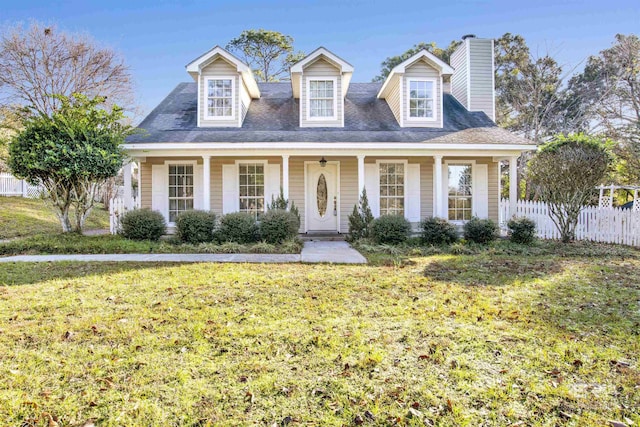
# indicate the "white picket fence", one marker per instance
pixel 117 208
pixel 12 186
pixel 596 224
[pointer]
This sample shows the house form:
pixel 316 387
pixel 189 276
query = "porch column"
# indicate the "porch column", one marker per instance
pixel 360 175
pixel 285 176
pixel 139 195
pixel 206 182
pixel 438 206
pixel 513 186
pixel 128 194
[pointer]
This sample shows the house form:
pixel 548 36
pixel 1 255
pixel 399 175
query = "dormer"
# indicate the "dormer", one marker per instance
pixel 226 87
pixel 413 90
pixel 320 81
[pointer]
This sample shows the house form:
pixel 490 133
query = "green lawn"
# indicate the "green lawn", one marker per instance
pixel 27 217
pixel 489 338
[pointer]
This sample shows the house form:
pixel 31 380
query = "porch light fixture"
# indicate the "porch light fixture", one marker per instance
pixel 323 162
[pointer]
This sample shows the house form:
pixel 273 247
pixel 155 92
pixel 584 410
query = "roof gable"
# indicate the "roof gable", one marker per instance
pixel 340 63
pixel 442 67
pixel 195 67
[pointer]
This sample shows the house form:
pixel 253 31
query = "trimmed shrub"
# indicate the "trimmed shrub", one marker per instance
pixel 390 229
pixel 522 230
pixel 196 226
pixel 143 224
pixel 238 227
pixel 438 231
pixel 278 225
pixel 283 204
pixel 480 231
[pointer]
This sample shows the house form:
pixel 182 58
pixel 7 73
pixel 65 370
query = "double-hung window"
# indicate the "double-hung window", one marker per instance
pixel 322 99
pixel 421 99
pixel 460 194
pixel 180 190
pixel 251 179
pixel 220 95
pixel 392 188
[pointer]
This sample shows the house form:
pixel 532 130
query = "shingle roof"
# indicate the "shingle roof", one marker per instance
pixel 275 118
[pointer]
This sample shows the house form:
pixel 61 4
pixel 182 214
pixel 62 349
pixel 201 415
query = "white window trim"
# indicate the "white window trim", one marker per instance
pixel 405 162
pixel 234 103
pixel 445 184
pixel 265 164
pixel 168 163
pixel 408 100
pixel 334 79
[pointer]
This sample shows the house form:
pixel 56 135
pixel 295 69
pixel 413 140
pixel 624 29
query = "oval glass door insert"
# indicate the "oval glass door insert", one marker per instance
pixel 321 195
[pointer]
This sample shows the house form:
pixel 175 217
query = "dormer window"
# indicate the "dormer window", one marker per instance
pixel 421 99
pixel 322 99
pixel 220 96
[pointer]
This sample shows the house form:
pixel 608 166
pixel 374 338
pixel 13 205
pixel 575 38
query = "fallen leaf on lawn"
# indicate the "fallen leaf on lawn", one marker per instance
pixel 614 423
pixel 414 413
pixel 51 422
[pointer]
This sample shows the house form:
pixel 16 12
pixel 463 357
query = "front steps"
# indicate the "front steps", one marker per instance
pixel 322 236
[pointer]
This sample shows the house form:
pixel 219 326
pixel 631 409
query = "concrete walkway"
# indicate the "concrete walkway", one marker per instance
pixel 312 252
pixel 331 252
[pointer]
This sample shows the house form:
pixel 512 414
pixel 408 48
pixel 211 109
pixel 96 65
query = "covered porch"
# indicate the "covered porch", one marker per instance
pixel 324 183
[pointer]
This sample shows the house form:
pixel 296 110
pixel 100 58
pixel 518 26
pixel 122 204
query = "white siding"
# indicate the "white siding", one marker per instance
pixel 393 98
pixel 321 68
pixel 245 101
pixel 459 81
pixel 473 81
pixel 481 91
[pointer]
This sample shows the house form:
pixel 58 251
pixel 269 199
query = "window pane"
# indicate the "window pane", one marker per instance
pixel 392 188
pixel 220 98
pixel 460 189
pixel 251 188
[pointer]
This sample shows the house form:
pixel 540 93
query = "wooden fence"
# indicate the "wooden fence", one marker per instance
pixel 117 208
pixel 12 186
pixel 596 224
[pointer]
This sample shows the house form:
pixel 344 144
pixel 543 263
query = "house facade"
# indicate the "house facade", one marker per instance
pixel 422 143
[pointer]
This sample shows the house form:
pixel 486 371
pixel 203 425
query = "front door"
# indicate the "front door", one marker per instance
pixel 322 197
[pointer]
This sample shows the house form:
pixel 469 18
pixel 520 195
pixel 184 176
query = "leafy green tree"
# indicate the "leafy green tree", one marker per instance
pixel 10 124
pixel 609 94
pixel 529 91
pixel 268 53
pixel 71 153
pixel 389 63
pixel 565 172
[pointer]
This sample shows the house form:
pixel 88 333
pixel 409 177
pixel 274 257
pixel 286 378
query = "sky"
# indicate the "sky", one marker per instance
pixel 157 38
